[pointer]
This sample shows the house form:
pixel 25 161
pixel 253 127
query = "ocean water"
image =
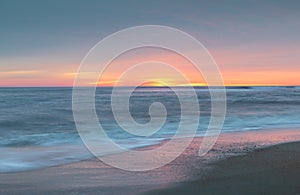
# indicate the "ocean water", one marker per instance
pixel 37 127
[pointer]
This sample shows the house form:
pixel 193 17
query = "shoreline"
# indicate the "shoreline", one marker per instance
pixel 86 155
pixel 94 177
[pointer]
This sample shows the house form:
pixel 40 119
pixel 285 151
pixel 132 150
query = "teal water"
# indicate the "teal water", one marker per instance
pixel 37 128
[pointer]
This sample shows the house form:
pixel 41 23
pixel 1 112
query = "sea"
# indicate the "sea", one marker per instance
pixel 37 127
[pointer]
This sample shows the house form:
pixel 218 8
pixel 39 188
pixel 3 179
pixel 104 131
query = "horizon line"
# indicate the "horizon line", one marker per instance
pixel 111 86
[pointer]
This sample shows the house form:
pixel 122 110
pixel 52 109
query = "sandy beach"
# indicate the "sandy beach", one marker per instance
pixel 273 170
pixel 252 162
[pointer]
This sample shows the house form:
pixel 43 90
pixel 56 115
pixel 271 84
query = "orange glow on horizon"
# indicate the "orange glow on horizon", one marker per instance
pixel 64 75
pixel 231 78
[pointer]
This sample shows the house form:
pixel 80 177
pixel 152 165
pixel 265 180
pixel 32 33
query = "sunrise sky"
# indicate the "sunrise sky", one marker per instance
pixel 43 42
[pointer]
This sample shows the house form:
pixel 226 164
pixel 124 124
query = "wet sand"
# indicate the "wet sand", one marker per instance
pixel 273 170
pixel 238 163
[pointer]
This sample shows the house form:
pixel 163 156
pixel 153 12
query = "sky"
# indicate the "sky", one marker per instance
pixel 42 43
